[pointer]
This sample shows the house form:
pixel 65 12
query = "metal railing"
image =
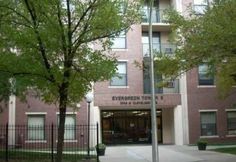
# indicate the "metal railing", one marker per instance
pixel 159 48
pixel 22 143
pixel 172 87
pixel 158 15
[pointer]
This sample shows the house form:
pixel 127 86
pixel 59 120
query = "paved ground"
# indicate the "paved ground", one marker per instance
pixel 167 153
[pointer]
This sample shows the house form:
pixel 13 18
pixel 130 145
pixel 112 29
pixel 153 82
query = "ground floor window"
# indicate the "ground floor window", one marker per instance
pixel 231 122
pixel 36 129
pixel 128 127
pixel 70 127
pixel 208 123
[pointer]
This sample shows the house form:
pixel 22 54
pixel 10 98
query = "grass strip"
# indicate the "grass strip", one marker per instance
pixel 229 150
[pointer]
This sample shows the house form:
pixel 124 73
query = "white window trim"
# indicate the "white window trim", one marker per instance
pixel 214 136
pixel 208 110
pixel 230 109
pixel 156 24
pixel 122 60
pixel 206 86
pixel 119 49
pixel 118 86
pixel 36 141
pixel 35 113
pixel 69 141
pixel 230 135
pixel 68 113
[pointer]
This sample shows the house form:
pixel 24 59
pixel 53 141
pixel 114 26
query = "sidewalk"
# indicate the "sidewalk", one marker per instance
pixel 167 153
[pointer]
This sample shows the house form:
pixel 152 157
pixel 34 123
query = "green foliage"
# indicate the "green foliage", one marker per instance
pixel 32 155
pixel 228 150
pixel 202 142
pixel 101 146
pixel 208 38
pixel 45 45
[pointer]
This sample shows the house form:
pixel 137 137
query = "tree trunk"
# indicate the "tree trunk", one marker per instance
pixel 62 115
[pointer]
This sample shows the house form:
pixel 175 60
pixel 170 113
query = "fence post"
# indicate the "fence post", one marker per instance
pixel 52 135
pixel 97 143
pixel 6 149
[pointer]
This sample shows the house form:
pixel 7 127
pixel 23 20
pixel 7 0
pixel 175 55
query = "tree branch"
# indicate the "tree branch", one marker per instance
pixel 83 16
pixel 96 38
pixel 26 73
pixel 63 38
pixel 42 50
pixel 69 30
pixel 18 13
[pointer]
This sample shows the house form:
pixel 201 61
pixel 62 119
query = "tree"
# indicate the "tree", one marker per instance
pixel 46 47
pixel 208 38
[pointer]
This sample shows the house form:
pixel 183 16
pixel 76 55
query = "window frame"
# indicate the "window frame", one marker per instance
pixel 215 124
pixel 117 75
pixel 44 127
pixel 74 117
pixel 227 112
pixel 122 35
pixel 209 79
pixel 200 7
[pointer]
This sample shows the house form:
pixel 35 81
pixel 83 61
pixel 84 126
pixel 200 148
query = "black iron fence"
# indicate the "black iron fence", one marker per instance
pixel 24 143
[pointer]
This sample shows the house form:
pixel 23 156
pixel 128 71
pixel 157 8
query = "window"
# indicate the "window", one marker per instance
pixel 204 76
pixel 155 43
pixel 70 126
pixel 146 78
pixel 119 42
pixel 120 79
pixel 36 129
pixel 155 12
pixel 231 122
pixel 200 6
pixel 208 123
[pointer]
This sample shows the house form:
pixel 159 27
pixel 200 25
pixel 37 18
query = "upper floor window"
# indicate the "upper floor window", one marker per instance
pixel 231 122
pixel 36 128
pixel 120 78
pixel 200 6
pixel 155 43
pixel 208 123
pixel 204 76
pixel 155 12
pixel 119 42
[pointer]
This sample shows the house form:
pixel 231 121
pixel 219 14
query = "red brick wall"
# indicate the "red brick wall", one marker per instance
pixel 131 54
pixel 3 113
pixel 33 104
pixel 206 98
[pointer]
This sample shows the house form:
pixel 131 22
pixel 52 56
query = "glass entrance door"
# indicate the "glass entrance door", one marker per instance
pixel 124 127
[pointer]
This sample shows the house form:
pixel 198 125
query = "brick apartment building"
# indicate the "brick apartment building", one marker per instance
pixel 187 109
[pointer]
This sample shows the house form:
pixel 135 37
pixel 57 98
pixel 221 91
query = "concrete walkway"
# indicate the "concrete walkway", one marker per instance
pixel 167 153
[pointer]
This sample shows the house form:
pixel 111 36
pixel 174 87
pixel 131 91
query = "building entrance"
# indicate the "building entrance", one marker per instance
pixel 128 127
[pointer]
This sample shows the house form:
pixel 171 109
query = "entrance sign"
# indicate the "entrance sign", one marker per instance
pixel 135 100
